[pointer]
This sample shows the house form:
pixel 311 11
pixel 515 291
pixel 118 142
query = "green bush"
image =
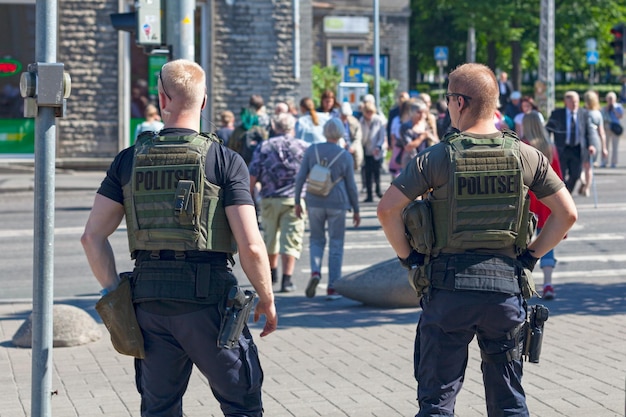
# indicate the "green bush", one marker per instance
pixel 328 78
pixel 324 78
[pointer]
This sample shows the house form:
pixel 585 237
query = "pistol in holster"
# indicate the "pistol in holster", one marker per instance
pixel 534 332
pixel 235 315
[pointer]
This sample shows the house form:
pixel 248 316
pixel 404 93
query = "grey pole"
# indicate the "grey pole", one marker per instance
pixel 377 54
pixel 296 39
pixel 180 28
pixel 546 54
pixel 43 254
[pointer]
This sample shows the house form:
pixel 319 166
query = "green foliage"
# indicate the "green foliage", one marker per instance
pixel 387 92
pixel 324 78
pixel 446 23
pixel 328 78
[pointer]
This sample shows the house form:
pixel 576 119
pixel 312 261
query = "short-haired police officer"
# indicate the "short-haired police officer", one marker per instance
pixel 476 183
pixel 187 203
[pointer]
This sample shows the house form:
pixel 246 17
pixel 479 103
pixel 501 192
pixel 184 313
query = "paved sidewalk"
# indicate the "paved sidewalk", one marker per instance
pixel 344 359
pixel 336 358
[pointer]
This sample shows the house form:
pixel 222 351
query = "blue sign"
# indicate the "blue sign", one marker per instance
pixel 441 53
pixel 366 61
pixel 592 57
pixel 353 74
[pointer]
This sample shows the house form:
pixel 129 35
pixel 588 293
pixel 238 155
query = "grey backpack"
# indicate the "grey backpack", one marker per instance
pixel 320 182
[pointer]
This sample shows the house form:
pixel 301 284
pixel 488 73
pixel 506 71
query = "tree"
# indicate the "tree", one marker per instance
pixel 507 33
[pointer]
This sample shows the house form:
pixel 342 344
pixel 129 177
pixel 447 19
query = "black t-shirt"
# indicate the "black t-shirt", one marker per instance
pixel 224 168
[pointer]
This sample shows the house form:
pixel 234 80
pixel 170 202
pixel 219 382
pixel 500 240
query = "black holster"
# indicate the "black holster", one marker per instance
pixel 534 332
pixel 237 309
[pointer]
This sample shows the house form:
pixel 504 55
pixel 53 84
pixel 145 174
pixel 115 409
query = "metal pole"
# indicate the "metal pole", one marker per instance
pixel 377 54
pixel 440 78
pixel 296 39
pixel 43 253
pixel 471 44
pixel 180 28
pixel 546 54
pixel 123 84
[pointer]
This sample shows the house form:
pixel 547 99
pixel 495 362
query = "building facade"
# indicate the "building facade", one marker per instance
pixel 345 28
pixel 264 47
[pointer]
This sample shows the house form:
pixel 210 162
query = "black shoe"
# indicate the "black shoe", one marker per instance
pixel 368 200
pixel 288 287
pixel 312 285
pixel 379 195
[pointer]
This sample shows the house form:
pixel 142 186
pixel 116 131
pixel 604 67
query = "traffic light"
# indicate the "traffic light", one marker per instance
pixel 144 22
pixel 618 42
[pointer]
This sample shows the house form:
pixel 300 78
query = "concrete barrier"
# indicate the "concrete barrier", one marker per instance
pixel 383 285
pixel 71 326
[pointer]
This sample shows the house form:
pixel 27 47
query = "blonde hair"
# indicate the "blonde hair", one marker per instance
pixel 592 101
pixel 369 107
pixel 185 83
pixel 479 83
pixel 536 135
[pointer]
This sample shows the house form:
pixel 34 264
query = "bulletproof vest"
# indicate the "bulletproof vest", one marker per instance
pixel 487 204
pixel 169 203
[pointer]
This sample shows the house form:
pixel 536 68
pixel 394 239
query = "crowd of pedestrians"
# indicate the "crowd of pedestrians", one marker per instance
pixel 280 164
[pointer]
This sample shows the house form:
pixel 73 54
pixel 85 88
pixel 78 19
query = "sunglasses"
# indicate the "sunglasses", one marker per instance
pixel 163 86
pixel 448 95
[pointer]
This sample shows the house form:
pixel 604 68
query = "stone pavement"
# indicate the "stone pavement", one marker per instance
pixel 337 358
pixel 341 358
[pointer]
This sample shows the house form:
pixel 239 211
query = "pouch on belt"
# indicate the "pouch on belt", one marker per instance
pixel 117 312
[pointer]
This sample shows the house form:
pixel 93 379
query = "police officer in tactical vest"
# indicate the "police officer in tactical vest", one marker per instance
pixel 468 250
pixel 186 200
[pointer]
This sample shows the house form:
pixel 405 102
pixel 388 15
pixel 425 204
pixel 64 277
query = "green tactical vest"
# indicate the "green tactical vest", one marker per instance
pixel 169 203
pixel 487 204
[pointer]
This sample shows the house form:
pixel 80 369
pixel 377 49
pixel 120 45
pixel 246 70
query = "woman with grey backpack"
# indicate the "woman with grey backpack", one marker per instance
pixel 331 191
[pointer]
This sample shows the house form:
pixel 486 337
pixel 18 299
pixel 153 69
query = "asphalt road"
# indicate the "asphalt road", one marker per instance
pixel 596 246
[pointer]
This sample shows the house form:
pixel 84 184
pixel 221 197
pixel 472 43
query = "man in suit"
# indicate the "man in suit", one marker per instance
pixel 573 132
pixel 506 88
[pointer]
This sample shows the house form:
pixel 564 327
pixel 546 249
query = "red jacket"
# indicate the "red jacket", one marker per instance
pixel 540 209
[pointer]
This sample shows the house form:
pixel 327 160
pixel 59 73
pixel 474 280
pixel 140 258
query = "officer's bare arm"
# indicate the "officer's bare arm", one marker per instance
pixel 562 218
pixel 254 261
pixel 106 215
pixel 390 216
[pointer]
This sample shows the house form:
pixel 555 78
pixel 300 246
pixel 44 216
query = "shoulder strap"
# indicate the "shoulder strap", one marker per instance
pixel 317 155
pixel 335 158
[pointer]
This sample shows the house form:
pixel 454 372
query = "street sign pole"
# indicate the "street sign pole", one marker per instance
pixel 592 58
pixel 441 57
pixel 440 65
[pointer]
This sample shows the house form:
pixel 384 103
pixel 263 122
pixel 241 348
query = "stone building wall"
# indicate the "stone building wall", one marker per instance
pixel 253 53
pixel 87 46
pixel 395 43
